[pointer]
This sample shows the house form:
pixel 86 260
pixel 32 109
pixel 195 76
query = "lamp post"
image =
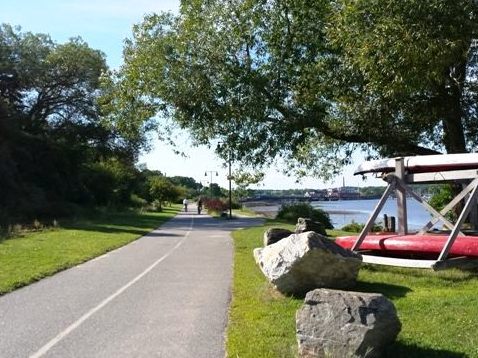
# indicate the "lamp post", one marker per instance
pixel 229 177
pixel 210 183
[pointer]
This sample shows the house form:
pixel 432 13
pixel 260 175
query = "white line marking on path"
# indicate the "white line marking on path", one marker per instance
pixel 99 257
pixel 107 300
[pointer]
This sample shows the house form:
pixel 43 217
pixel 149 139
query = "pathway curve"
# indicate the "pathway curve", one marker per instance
pixel 164 295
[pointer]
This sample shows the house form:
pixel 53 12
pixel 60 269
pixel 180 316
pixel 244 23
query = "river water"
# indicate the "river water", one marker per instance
pixel 345 211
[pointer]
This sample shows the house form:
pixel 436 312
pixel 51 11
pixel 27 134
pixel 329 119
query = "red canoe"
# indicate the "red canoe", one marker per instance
pixel 427 245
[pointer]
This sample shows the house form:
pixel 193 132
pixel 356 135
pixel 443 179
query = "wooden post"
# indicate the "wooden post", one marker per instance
pixel 393 227
pixel 401 198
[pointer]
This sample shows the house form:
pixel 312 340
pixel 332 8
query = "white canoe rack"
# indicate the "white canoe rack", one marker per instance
pixel 425 169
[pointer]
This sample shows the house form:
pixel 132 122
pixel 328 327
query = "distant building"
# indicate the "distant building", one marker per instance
pixel 333 194
pixel 349 193
pixel 316 195
pixel 344 193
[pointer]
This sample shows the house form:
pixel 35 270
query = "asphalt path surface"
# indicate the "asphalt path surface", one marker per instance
pixel 164 295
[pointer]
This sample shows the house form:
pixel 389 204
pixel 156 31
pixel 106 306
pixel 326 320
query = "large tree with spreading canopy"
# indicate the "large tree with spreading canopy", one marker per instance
pixel 310 81
pixel 58 146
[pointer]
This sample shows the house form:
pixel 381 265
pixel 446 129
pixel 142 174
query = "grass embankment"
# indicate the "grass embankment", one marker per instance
pixel 438 310
pixel 34 255
pixel 245 212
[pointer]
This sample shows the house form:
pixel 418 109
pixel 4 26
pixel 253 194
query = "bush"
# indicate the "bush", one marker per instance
pixel 157 205
pixel 356 227
pixel 215 205
pixel 352 227
pixel 291 212
pixel 235 205
pixel 441 197
pixel 138 202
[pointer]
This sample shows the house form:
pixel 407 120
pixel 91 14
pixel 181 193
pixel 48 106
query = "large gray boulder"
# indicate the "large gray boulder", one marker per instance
pixel 306 224
pixel 272 235
pixel 335 323
pixel 301 262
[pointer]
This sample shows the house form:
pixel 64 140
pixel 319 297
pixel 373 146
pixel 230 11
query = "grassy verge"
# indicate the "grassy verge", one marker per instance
pixel 34 255
pixel 438 310
pixel 244 212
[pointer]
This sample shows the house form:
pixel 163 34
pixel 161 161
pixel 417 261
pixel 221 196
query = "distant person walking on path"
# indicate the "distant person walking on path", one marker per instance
pixel 185 204
pixel 199 205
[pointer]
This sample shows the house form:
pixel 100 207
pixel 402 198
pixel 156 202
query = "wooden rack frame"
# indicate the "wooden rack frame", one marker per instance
pixel 398 182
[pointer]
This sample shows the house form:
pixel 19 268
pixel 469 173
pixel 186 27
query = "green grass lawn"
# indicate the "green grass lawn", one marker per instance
pixel 438 310
pixel 34 255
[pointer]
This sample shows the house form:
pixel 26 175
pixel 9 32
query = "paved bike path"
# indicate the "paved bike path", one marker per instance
pixel 164 295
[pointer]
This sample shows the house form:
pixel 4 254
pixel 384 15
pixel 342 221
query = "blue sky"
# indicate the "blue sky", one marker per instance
pixel 104 24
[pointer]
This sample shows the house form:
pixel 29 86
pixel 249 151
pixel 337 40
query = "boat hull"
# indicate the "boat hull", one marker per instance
pixel 428 245
pixel 422 163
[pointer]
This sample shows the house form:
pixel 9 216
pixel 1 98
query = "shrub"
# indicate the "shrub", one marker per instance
pixel 37 225
pixel 156 205
pixel 356 227
pixel 138 202
pixel 215 205
pixel 442 195
pixel 291 212
pixel 10 231
pixel 235 205
pixel 352 227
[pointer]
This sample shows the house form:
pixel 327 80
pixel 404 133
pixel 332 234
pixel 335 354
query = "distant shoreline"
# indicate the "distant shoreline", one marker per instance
pixel 270 209
pixel 344 212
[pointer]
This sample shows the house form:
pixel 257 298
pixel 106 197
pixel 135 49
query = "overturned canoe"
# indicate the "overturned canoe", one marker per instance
pixel 405 245
pixel 422 163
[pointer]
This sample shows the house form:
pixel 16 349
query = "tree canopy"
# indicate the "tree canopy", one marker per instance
pixel 311 81
pixel 49 121
pixel 162 189
pixel 61 146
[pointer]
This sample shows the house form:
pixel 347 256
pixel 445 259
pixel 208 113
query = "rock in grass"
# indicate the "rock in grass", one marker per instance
pixel 302 262
pixel 272 235
pixel 334 323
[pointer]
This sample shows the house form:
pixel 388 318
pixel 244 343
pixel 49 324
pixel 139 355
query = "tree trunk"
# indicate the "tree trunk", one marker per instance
pixel 453 135
pixel 453 131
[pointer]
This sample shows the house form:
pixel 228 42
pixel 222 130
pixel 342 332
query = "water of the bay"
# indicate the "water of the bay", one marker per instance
pixel 343 212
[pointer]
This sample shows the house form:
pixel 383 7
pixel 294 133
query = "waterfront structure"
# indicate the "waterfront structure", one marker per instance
pixel 343 193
